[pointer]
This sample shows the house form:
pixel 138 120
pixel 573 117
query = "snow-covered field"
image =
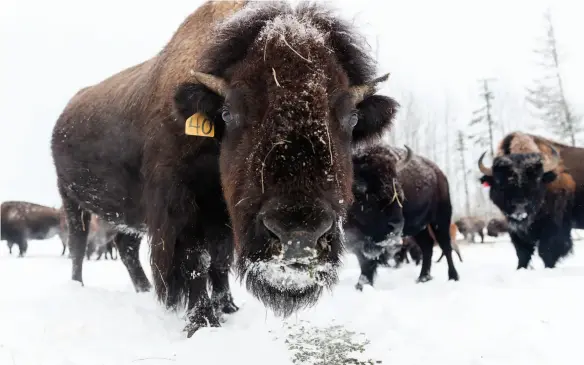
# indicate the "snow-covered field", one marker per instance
pixel 494 315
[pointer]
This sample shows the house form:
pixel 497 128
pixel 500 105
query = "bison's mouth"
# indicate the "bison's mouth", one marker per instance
pixel 287 284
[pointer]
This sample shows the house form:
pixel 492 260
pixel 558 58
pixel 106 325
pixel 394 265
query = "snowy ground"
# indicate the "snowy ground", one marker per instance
pixel 494 315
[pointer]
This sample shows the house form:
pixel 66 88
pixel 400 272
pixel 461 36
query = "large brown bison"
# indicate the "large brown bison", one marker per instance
pixel 496 226
pixel 278 97
pixel 538 184
pixel 469 226
pixel 23 221
pixel 391 200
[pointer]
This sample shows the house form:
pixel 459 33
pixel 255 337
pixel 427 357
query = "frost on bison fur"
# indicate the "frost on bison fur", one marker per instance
pixel 538 185
pixel 289 91
pixel 24 221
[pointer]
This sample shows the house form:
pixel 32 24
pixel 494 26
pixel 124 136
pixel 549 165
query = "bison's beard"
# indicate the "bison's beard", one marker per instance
pixel 286 286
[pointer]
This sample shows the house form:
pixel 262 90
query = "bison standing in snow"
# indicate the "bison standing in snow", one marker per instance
pixel 497 226
pixel 238 132
pixel 411 199
pixel 538 184
pixel 469 226
pixel 23 221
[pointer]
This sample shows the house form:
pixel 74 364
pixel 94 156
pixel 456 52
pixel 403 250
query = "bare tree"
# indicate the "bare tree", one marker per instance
pixel 547 95
pixel 484 116
pixel 461 148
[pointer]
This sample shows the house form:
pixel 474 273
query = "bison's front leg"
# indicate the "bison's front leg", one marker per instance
pixel 129 247
pixel 426 243
pixel 222 299
pixel 554 243
pixel 221 250
pixel 194 263
pixel 368 271
pixel 524 250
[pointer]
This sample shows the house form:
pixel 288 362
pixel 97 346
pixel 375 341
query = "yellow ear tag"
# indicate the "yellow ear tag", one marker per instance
pixel 198 125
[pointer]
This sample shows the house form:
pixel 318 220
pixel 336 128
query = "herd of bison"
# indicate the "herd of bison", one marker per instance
pixel 289 175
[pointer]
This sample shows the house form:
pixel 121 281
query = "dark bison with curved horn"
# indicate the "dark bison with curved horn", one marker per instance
pixel 239 132
pixel 398 193
pixel 538 184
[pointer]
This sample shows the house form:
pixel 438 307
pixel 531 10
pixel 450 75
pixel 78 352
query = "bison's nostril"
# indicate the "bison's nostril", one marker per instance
pixel 273 228
pixel 303 240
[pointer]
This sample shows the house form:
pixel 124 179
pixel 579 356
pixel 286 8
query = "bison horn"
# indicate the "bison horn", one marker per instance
pixel 402 163
pixel 553 162
pixel 360 92
pixel 212 82
pixel 484 169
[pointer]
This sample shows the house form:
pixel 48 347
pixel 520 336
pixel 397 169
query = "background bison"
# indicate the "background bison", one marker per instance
pixel 469 226
pixel 496 226
pixel 538 185
pixel 23 221
pixel 287 93
pixel 100 238
pixel 412 200
pixel 375 221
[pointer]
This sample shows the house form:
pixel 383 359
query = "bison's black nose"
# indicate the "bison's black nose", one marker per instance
pixel 299 229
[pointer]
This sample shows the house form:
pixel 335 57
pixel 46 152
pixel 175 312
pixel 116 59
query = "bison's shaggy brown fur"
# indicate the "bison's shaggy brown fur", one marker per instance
pixel 289 91
pixel 538 184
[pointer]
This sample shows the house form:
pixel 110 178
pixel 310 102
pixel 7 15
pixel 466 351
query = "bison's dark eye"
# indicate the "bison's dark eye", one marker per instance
pixel 226 115
pixel 353 119
pixel 350 120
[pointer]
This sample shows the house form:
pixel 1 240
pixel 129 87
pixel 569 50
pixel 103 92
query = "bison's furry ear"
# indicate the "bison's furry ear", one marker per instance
pixel 548 177
pixel 190 98
pixel 376 115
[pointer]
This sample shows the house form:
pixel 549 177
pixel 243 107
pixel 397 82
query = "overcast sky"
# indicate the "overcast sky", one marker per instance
pixel 434 49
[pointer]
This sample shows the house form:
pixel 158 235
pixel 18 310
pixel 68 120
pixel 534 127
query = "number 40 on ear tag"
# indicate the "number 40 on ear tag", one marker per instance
pixel 198 125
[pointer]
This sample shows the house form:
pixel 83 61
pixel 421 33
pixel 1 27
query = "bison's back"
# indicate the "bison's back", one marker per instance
pixel 572 158
pixel 425 187
pixel 97 144
pixel 99 140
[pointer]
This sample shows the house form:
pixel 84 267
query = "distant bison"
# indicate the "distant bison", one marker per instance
pixel 397 192
pixel 23 221
pixel 410 246
pixel 238 132
pixel 538 184
pixel 496 226
pixel 100 238
pixel 469 226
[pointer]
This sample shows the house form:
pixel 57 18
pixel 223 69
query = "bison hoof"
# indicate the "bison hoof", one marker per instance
pixel 143 286
pixel 363 280
pixel 200 321
pixel 453 276
pixel 424 278
pixel 227 306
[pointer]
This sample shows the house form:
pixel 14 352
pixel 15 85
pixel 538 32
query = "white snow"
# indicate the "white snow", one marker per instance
pixel 493 315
